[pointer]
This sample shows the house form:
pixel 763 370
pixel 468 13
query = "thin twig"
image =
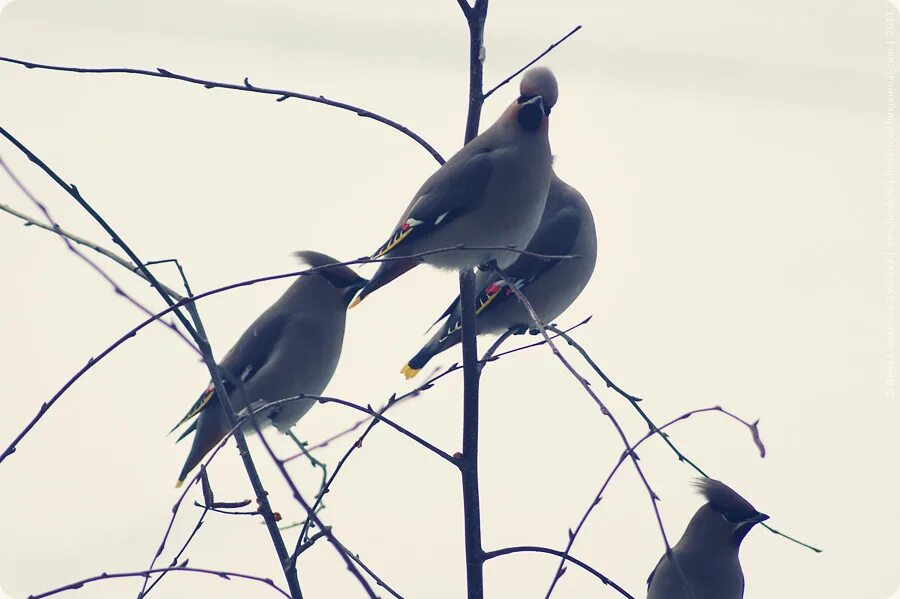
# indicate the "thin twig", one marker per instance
pixel 288 564
pixel 280 94
pixel 378 580
pixel 224 574
pixel 319 505
pixel 537 549
pixel 55 228
pixel 146 590
pixel 72 190
pixel 366 410
pixel 537 58
pixel 681 456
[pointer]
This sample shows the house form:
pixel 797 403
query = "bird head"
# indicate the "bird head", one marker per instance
pixel 339 277
pixel 538 94
pixel 736 514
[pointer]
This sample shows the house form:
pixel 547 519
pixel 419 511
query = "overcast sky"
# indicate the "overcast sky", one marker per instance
pixel 734 156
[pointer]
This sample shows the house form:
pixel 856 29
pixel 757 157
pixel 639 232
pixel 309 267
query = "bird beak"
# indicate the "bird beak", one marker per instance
pixel 760 517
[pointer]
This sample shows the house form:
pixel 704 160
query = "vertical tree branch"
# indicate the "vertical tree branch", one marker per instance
pixel 475 17
pixel 262 499
pixel 468 463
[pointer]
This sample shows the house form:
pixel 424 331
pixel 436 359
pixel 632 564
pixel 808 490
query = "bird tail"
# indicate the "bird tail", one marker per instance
pixel 438 343
pixel 387 272
pixel 211 427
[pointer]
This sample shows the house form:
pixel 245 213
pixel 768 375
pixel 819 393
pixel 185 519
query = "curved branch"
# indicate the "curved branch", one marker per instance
pixel 56 230
pixel 146 573
pixel 280 94
pixel 537 549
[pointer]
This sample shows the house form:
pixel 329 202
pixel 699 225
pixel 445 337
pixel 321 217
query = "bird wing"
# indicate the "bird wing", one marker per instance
pixel 456 188
pixel 248 356
pixel 554 237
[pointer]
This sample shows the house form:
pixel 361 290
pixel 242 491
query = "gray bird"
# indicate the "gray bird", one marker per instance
pixel 489 194
pixel 566 228
pixel 708 550
pixel 291 349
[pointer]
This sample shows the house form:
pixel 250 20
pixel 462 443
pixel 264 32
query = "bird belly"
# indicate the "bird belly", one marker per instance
pixel 509 216
pixel 309 380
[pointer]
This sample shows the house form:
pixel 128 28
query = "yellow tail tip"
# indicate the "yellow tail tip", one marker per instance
pixel 179 483
pixel 355 302
pixel 409 372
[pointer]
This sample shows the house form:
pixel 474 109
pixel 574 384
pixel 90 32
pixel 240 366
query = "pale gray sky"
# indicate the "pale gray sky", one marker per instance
pixel 734 156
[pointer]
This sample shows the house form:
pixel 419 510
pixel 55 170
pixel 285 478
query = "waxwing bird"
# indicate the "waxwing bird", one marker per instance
pixel 708 550
pixel 291 349
pixel 566 229
pixel 490 194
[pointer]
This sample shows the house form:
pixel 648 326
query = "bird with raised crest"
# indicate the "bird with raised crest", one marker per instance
pixel 707 554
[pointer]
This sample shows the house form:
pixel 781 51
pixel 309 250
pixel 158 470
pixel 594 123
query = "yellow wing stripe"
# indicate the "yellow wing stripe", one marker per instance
pixel 487 302
pixel 478 311
pixel 400 236
pixel 198 407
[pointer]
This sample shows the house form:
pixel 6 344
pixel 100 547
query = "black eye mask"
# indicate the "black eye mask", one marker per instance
pixel 531 114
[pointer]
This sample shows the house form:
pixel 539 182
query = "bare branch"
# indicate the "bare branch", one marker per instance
pixel 536 58
pixel 54 228
pixel 476 16
pixel 566 557
pixel 754 427
pixel 280 94
pixel 366 410
pixel 224 574
pixel 468 460
pixel 76 195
